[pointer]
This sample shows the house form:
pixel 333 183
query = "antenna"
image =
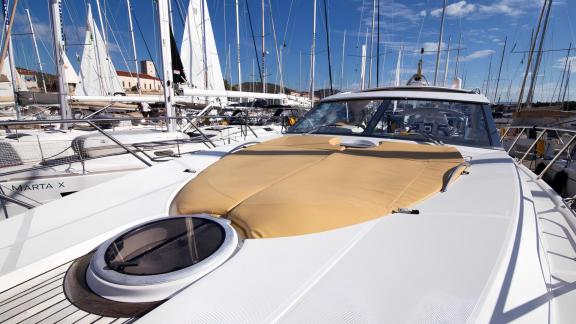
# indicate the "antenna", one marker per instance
pixel 419 79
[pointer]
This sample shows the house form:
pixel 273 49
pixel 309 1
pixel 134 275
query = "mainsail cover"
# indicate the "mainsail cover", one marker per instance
pixel 97 73
pixel 193 46
pixel 178 73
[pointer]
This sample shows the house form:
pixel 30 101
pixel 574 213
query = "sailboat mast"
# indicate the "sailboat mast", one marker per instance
pixel 500 70
pixel 238 61
pixel 489 76
pixel 328 45
pixel 539 54
pixel 204 54
pixel 56 13
pixel 530 55
pixel 7 34
pixel 371 43
pixel 440 39
pixel 564 71
pixel 313 56
pixel 166 57
pixel 363 68
pixel 13 72
pixel 38 61
pixel 458 56
pixel 342 61
pixel 399 66
pixel 104 34
pixel 138 87
pixel 378 46
pixel 170 14
pixel 447 62
pixel 300 71
pixel 567 83
pixel 278 52
pixel 263 51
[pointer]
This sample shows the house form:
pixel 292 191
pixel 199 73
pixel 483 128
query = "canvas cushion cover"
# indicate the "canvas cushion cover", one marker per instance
pixel 297 185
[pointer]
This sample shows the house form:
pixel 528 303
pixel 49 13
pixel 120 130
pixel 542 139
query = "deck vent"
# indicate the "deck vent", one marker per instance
pixel 153 261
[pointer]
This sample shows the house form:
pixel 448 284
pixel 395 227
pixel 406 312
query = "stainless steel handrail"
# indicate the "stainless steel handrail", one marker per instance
pixel 516 140
pixel 447 182
pixel 556 157
pixel 97 112
pixel 92 122
pixel 544 130
pixel 16 201
pixel 110 137
pixel 542 133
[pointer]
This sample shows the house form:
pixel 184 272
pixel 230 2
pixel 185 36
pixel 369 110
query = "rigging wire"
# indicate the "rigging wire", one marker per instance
pixel 278 55
pixel 225 40
pixel 360 25
pixel 254 39
pixel 287 23
pixel 147 47
pixel 419 38
pixel 326 24
pixel 121 45
pixel 154 28
pixel 180 7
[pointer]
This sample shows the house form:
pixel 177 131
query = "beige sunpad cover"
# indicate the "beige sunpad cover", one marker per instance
pixel 304 184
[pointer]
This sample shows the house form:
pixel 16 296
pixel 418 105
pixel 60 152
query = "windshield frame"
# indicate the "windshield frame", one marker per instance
pixel 491 131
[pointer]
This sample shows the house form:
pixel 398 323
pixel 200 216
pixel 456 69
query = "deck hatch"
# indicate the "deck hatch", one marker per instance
pixel 154 260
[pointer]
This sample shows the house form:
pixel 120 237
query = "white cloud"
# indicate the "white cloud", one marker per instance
pixel 511 8
pixel 458 9
pixel 478 55
pixel 559 63
pixel 499 9
pixel 422 13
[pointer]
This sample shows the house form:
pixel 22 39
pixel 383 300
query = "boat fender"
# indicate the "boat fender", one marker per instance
pixel 559 182
pixel 539 168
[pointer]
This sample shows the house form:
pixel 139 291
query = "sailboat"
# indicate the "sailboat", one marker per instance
pixel 6 87
pixel 97 73
pixel 7 83
pixel 198 50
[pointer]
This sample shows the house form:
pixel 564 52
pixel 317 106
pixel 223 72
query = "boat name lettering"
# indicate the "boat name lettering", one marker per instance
pixel 37 186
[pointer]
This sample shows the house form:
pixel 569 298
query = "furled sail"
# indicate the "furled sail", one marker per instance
pixel 178 73
pixel 97 73
pixel 6 89
pixel 6 84
pixel 192 51
pixel 69 73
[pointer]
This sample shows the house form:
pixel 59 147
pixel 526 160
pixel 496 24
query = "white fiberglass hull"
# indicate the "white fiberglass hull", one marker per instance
pixel 105 161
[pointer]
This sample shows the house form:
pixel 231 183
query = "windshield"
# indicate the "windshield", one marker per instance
pixel 412 119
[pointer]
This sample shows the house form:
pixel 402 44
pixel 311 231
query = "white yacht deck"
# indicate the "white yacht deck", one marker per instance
pixel 454 254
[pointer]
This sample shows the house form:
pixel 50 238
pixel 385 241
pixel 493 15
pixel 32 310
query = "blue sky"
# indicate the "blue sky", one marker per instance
pixel 483 25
